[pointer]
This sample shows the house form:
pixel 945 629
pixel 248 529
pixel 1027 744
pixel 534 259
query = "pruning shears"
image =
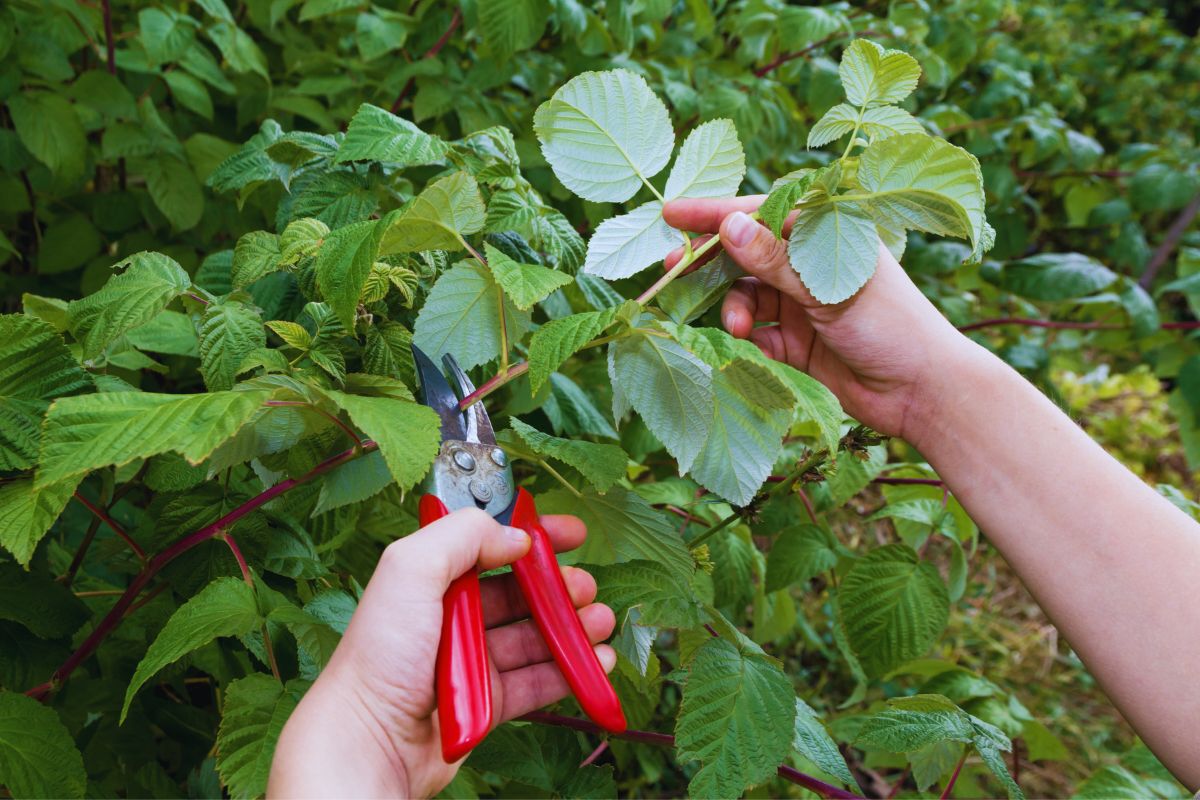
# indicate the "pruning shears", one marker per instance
pixel 471 471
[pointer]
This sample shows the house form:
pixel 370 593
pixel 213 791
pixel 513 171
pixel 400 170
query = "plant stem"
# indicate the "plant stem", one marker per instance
pixel 666 740
pixel 430 53
pixel 503 331
pixel 110 522
pixel 1170 242
pixel 954 777
pixel 113 618
pixel 558 476
pixel 239 558
pixel 492 384
pixel 813 461
pixel 685 262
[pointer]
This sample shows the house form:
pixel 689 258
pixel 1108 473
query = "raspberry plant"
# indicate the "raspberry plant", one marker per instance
pixel 202 457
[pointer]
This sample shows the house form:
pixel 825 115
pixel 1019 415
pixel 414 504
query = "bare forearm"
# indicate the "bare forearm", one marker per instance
pixel 1112 562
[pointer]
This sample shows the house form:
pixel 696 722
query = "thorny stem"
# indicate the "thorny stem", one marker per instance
pixel 666 740
pixel 155 564
pixel 813 461
pixel 112 523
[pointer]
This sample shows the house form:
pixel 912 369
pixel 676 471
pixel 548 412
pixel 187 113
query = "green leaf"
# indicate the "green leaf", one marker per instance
pixel 447 210
pixel 46 607
pixel 604 134
pixel 173 188
pixel 814 402
pixel 559 339
pixel 165 34
pixel 524 284
pixel 1113 782
pixel 669 387
pixel 229 331
pixel 255 709
pixel 1054 276
pixel 916 182
pixel 256 254
pixel 387 352
pixel 911 723
pixel 602 464
pixel 35 366
pixel 688 296
pixel 50 129
pixel 736 718
pixel 834 248
pixel 622 527
pixel 407 433
pixel 710 163
pixel 26 513
pixel 131 298
pixel 226 607
pixel 811 740
pixel 377 135
pixel 97 430
pixel 302 238
pixel 893 607
pixel 190 93
pixel 342 265
pixel 791 189
pixel 662 598
pixel 834 124
pixel 625 245
pixel 752 410
pixel 883 122
pixel 461 315
pixel 38 757
pixel 800 553
pixel 873 76
pixel 238 48
pixel 510 26
pixel 170 332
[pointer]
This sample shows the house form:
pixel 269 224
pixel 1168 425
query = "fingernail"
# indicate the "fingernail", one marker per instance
pixel 730 320
pixel 739 229
pixel 516 535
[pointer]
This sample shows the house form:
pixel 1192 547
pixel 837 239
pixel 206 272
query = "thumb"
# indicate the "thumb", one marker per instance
pixel 440 552
pixel 759 253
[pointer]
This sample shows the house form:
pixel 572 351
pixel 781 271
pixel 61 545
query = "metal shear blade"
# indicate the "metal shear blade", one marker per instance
pixel 472 425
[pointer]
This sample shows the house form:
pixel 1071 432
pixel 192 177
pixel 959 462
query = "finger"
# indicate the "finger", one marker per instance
pixel 504 603
pixel 705 215
pixel 673 257
pixel 759 253
pixel 428 560
pixel 521 644
pixel 565 531
pixel 529 688
pixel 749 300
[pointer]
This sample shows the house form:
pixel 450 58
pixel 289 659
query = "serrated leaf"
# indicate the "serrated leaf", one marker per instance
pixel 911 723
pixel 882 122
pixel 50 129
pixel 165 34
pixel 893 607
pixel 811 740
pixel 301 238
pixel 256 254
pixel 736 717
pixel 752 410
pixel 510 26
pixel 800 553
pixel 130 298
pixel 710 163
pixel 255 709
pixel 917 182
pixel 173 188
pixel 437 219
pixel 814 402
pixel 627 244
pixel 622 527
pixel 789 190
pixel 38 757
pixel 293 334
pixel 602 464
pixel 688 296
pixel 46 607
pixel 834 124
pixel 168 332
pixel 604 133
pixel 229 331
pixel 524 284
pixel 834 248
pixel 377 135
pixel 1055 276
pixel 407 433
pixel 461 315
pixel 661 597
pixel 387 352
pixel 874 76
pixel 342 265
pixel 226 607
pixel 26 513
pixel 92 431
pixel 669 387
pixel 559 339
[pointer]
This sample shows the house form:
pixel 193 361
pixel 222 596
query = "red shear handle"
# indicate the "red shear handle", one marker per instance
pixel 464 684
pixel 541 582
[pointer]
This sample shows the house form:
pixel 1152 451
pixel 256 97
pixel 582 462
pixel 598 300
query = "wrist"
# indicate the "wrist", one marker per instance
pixel 943 399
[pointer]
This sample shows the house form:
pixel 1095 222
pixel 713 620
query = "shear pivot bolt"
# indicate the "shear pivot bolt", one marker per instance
pixel 500 457
pixel 481 491
pixel 464 460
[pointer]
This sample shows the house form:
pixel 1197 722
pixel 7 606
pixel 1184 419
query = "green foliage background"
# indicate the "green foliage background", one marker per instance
pixel 195 144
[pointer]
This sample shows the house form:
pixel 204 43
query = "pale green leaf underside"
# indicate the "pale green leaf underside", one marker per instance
pixel 834 248
pixel 736 718
pixel 226 607
pixel 873 76
pixel 461 315
pixel 625 245
pixel 604 133
pixel 710 163
pixel 92 431
pixel 38 757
